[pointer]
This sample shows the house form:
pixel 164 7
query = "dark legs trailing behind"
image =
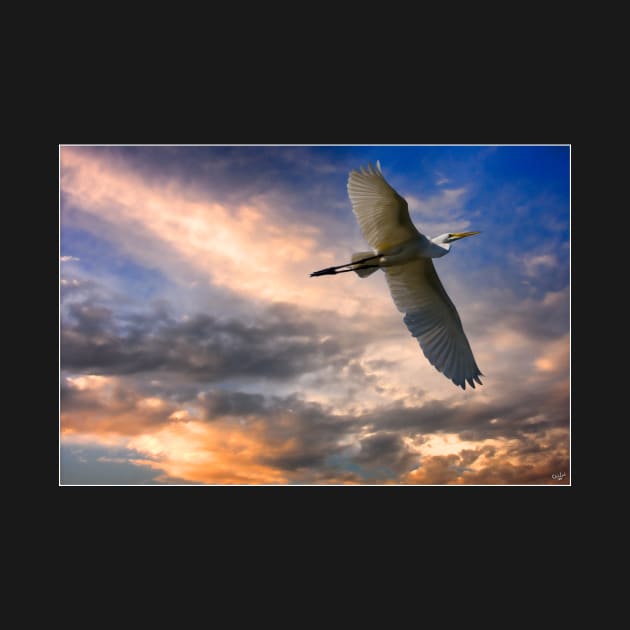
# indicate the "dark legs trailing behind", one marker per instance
pixel 353 266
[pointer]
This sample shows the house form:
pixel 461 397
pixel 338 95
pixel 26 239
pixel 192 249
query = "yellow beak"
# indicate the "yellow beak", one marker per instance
pixel 458 235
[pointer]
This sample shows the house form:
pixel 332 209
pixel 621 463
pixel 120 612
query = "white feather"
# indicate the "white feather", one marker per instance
pixel 381 212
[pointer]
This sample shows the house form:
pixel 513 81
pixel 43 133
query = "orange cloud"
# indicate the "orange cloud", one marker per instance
pixel 497 462
pixel 555 357
pixel 103 405
pixel 208 453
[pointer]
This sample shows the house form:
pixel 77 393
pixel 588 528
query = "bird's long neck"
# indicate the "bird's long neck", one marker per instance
pixel 436 250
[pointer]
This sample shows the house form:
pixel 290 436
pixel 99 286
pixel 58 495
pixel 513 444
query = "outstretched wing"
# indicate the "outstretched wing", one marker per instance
pixel 382 213
pixel 432 318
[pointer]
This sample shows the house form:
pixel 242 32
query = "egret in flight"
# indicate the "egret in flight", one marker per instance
pixel 405 256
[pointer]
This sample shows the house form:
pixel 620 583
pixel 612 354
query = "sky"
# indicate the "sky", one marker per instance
pixel 196 349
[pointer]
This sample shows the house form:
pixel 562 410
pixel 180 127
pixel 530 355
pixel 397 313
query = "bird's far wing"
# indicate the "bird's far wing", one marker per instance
pixel 382 213
pixel 432 318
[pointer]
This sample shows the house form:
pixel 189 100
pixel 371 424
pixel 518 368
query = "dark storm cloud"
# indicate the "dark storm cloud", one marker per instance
pixel 513 414
pixel 309 433
pixel 386 451
pixel 280 345
pixel 219 402
pixel 90 320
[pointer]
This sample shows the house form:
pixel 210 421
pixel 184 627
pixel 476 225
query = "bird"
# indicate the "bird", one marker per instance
pixel 406 256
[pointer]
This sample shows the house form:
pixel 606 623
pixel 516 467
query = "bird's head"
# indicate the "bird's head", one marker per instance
pixel 451 237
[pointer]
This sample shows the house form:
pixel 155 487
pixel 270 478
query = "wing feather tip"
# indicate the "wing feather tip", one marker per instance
pixel 462 383
pixel 366 171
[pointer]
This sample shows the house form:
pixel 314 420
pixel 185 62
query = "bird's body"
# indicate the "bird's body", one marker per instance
pixel 419 247
pixel 405 255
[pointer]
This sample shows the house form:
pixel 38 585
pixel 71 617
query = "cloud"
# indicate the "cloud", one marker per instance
pixel 237 247
pixel 219 402
pixel 138 373
pixel 69 259
pixel 109 405
pixel 441 212
pixel 535 265
pixel 386 452
pixel 203 453
pixel 289 439
pixel 514 416
pixel 281 344
pixel 542 319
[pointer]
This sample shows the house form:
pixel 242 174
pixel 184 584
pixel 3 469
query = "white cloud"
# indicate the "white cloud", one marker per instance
pixel 439 213
pixel 69 258
pixel 447 200
pixel 535 265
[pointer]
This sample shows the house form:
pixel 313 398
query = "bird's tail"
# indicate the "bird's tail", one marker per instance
pixel 363 273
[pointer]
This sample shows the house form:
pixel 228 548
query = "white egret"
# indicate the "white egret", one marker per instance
pixel 405 255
